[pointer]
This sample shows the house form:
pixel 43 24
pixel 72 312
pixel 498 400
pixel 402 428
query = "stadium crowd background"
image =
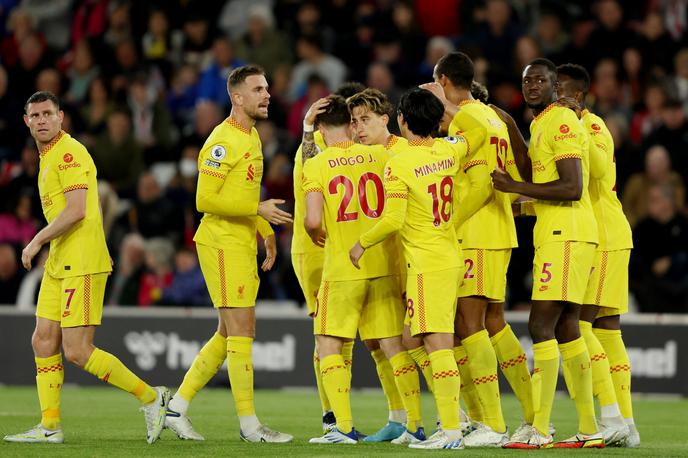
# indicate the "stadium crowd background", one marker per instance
pixel 143 83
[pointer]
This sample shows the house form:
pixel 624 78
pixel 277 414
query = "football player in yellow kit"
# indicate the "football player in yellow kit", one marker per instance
pixel 370 111
pixel 344 197
pixel 419 183
pixel 487 233
pixel 556 167
pixel 230 170
pixel 307 260
pixel 70 300
pixel 606 297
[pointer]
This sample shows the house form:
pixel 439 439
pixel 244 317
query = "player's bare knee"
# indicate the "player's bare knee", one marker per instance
pixel 77 354
pixel 540 330
pixel 372 344
pixel 567 328
pixel 45 343
pixel 411 342
pixel 391 346
pixel 612 323
pixel 588 313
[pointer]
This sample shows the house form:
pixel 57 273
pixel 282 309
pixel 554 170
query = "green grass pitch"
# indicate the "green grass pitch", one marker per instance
pixel 103 422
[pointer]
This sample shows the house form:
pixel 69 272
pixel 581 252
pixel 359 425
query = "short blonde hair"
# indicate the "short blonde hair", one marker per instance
pixel 372 99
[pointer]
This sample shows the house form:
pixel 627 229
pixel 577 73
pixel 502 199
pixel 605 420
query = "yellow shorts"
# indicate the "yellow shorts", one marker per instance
pixel 73 301
pixel 308 268
pixel 231 277
pixel 431 300
pixel 561 271
pixel 372 306
pixel 485 273
pixel 608 284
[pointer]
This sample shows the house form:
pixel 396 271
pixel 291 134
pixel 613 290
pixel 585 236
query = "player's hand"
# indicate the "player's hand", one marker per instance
pixel 268 210
pixel 28 253
pixel 572 104
pixel 319 238
pixel 319 106
pixel 355 254
pixel 436 89
pixel 502 181
pixel 270 253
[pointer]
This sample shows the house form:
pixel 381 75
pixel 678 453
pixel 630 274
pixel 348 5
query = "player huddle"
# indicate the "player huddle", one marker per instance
pixel 404 240
pixel 425 225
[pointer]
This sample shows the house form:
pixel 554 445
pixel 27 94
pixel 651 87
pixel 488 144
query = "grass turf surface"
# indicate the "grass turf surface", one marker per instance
pixel 103 422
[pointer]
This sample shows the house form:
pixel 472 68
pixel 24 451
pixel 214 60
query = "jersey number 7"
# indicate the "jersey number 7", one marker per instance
pixel 362 193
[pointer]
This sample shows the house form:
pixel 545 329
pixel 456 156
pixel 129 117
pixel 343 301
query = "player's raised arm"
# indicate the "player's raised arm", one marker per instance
pixel 308 147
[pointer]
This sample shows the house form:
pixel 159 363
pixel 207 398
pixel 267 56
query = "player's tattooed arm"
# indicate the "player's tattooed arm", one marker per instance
pixel 308 146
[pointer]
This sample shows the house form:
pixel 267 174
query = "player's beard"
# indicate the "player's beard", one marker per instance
pixel 256 114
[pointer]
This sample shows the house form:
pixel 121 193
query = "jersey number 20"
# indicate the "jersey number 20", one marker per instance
pixel 362 192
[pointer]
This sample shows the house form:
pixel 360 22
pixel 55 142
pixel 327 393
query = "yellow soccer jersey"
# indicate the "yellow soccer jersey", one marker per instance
pixel 300 241
pixel 349 176
pixel 396 144
pixel 492 225
pixel 613 228
pixel 556 134
pixel 230 168
pixel 65 165
pixel 419 187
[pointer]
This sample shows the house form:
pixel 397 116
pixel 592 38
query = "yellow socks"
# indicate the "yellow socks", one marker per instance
pixel 420 356
pixel 468 392
pixel 386 375
pixel 619 366
pixel 602 386
pixel 408 384
pixel 324 402
pixel 240 368
pixel 545 373
pixel 514 366
pixel 204 367
pixel 483 367
pixel 49 379
pixel 347 354
pixel 446 386
pixel 337 382
pixel 575 360
pixel 111 370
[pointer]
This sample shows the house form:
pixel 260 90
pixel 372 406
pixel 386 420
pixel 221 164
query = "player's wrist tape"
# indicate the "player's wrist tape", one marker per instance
pixel 308 127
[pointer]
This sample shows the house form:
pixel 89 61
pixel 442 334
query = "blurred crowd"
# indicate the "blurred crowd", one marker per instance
pixel 143 83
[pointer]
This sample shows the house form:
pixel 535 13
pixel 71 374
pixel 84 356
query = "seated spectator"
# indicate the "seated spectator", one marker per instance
pixel 18 227
pixel 673 135
pixel 435 49
pixel 182 96
pixel 153 214
pixel 659 267
pixel 10 120
pixel 158 271
pixel 96 111
pixel 262 44
pixel 128 270
pixel 314 60
pixel 657 171
pixel 188 286
pixel 117 154
pixel 213 83
pixel 152 123
pixel 109 205
pixel 648 118
pixel 159 43
pixel 25 182
pixel 82 71
pixel 316 87
pixel 10 275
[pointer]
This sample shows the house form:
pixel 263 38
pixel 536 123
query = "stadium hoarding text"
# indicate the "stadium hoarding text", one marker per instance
pixel 160 345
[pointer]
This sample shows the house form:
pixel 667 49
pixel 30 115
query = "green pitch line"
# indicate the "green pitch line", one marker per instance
pixel 104 422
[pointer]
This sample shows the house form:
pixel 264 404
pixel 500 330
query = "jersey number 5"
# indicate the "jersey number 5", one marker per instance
pixel 362 192
pixel 442 213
